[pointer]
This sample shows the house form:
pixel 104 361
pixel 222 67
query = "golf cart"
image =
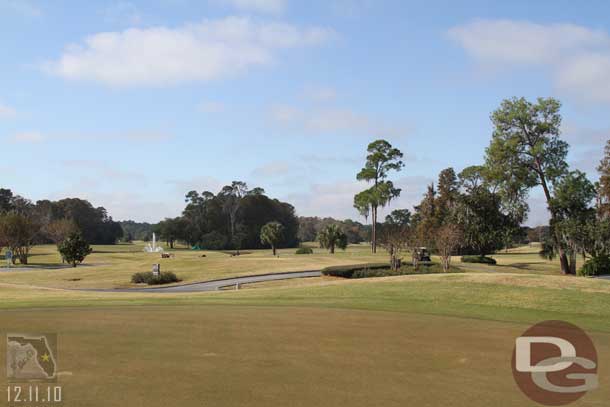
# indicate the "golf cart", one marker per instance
pixel 423 254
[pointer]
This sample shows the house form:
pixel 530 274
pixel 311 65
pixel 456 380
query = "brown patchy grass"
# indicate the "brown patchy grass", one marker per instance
pixel 238 356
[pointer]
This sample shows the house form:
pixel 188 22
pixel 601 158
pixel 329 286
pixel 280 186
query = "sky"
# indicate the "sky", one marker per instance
pixel 131 104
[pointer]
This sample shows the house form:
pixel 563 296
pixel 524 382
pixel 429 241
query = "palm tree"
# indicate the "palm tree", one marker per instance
pixel 332 236
pixel 271 234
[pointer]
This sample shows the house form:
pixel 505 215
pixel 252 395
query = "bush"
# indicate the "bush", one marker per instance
pixel 304 250
pixel 165 277
pixel 382 270
pixel 348 271
pixel 596 266
pixel 478 259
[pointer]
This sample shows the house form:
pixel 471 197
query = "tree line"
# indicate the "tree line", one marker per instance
pixel 481 209
pixel 232 219
pixel 24 223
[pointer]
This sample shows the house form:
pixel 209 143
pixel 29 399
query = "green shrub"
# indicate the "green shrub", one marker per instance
pixel 596 266
pixel 304 250
pixel 165 277
pixel 382 270
pixel 348 271
pixel 478 259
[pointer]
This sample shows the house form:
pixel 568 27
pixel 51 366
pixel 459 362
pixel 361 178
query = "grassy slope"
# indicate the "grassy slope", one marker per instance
pixel 411 340
pixel 503 297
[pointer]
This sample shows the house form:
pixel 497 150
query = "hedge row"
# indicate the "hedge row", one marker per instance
pixel 478 259
pixel 383 270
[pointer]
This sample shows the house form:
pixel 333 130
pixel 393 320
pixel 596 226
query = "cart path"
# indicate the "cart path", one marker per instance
pixel 214 284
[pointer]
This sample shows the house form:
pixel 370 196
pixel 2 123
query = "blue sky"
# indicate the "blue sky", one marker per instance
pixel 132 104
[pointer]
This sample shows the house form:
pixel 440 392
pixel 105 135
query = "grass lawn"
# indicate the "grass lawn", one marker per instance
pixel 113 266
pixel 423 340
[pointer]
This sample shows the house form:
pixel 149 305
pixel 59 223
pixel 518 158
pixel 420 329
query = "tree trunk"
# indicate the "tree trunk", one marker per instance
pixel 573 263
pixel 273 249
pixel 374 230
pixel 563 257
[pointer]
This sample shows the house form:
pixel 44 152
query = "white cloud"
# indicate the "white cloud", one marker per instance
pixel 24 7
pixel 27 137
pixel 7 111
pixel 333 120
pixel 261 6
pixel 211 107
pixel 578 57
pixel 204 51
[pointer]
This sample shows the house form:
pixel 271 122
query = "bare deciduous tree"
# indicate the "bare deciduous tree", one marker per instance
pixel 447 239
pixel 395 240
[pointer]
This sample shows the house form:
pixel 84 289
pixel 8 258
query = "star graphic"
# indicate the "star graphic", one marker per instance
pixel 45 357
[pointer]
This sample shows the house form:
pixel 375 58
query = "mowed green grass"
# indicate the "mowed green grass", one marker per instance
pixel 113 266
pixel 423 340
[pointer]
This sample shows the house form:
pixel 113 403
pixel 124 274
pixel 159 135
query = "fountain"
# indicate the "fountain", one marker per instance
pixel 152 247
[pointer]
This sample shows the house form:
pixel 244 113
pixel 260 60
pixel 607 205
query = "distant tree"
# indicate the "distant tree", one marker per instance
pixel 571 205
pixel 472 178
pixel 232 196
pixel 128 237
pixel 171 230
pixel 604 183
pixel 526 151
pixel 332 237
pixel 447 240
pixel 135 230
pixel 484 226
pixel 395 239
pixel 74 249
pixel 448 192
pixel 399 217
pixel 58 230
pixel 426 218
pixel 19 232
pixel 381 159
pixel 272 234
pixel 6 200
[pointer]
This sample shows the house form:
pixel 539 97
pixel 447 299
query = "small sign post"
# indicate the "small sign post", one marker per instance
pixel 156 270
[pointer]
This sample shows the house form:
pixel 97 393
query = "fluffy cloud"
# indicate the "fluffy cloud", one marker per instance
pixel 578 57
pixel 261 6
pixel 205 51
